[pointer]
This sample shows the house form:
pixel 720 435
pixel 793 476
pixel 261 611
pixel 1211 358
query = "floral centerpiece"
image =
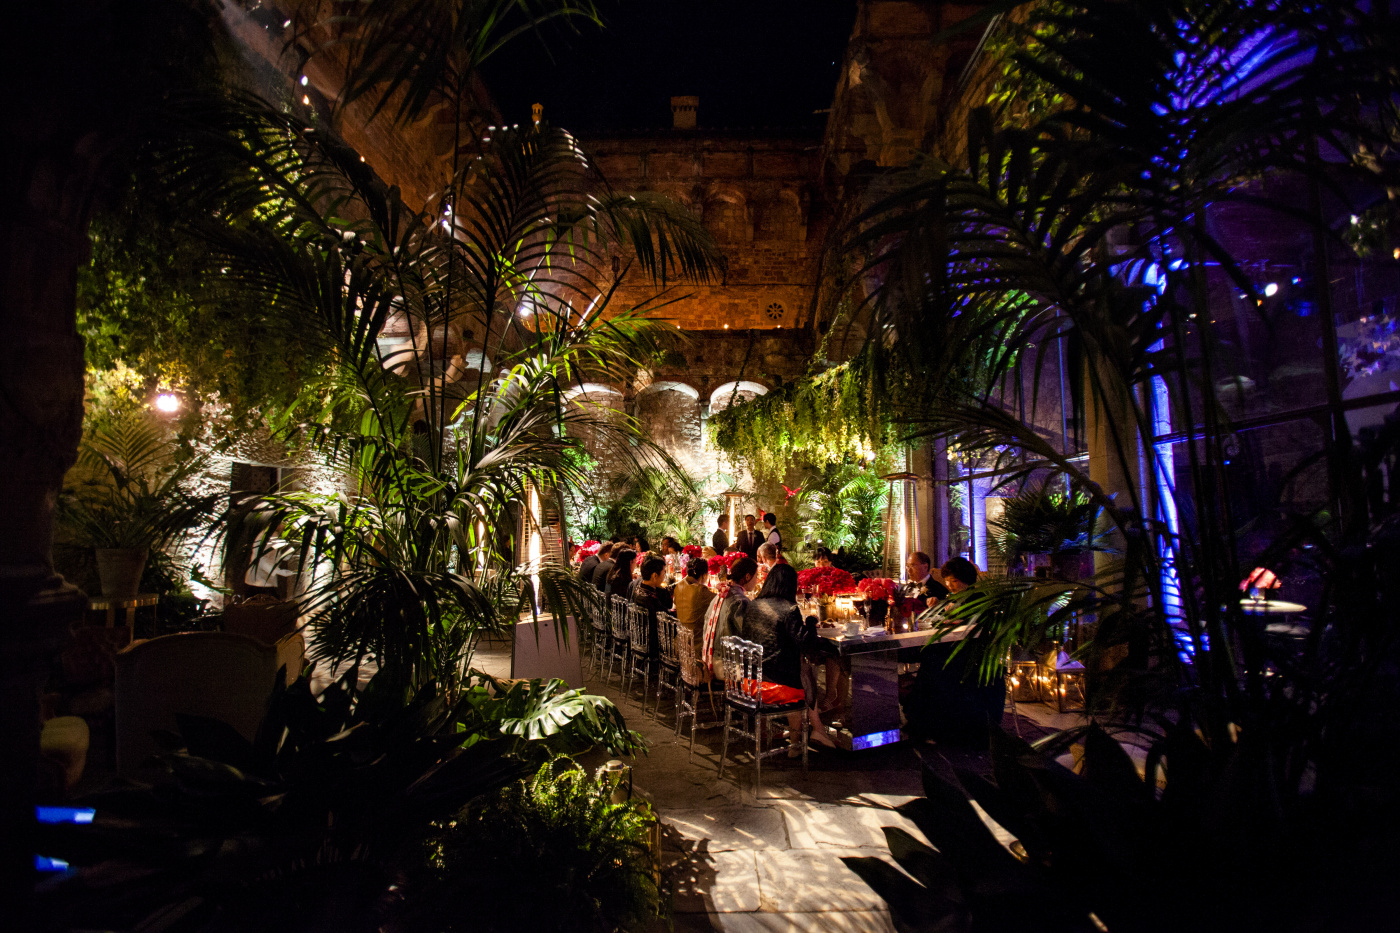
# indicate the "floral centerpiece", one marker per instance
pixel 727 561
pixel 688 554
pixel 826 581
pixel 586 550
pixel 880 589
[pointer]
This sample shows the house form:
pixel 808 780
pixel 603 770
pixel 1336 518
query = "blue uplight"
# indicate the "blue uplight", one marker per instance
pixel 45 864
pixel 64 814
pixel 875 739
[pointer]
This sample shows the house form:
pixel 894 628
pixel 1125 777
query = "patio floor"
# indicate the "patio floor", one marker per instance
pixel 740 860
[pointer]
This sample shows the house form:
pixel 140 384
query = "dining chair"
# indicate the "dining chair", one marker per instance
pixel 639 659
pixel 742 664
pixel 694 679
pixel 598 625
pixel 617 640
pixel 668 667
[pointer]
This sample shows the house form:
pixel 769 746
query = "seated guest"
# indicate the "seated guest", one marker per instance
pixel 651 594
pixel 773 621
pixel 958 574
pixel 619 581
pixel 605 565
pixel 590 563
pixel 725 614
pixel 821 557
pixel 670 545
pixel 769 556
pixel 720 540
pixel 692 596
pixel 922 583
pixel 639 544
pixel 948 701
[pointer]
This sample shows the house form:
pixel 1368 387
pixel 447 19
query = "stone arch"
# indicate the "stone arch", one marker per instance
pixel 780 217
pixel 726 215
pixel 742 389
pixel 670 413
pixel 667 385
pixel 593 391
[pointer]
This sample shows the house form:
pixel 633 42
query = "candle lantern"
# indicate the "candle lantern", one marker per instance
pixel 1067 681
pixel 1025 678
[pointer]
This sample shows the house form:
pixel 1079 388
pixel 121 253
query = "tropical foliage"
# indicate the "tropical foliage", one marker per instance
pixel 1089 235
pixel 321 816
pixel 565 855
pixel 131 488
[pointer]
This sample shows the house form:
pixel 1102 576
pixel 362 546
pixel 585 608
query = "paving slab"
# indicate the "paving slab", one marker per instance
pixel 715 882
pixel 813 881
pixel 855 921
pixel 726 828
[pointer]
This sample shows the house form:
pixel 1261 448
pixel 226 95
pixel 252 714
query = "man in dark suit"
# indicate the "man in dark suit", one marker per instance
pixel 605 566
pixel 922 583
pixel 590 563
pixel 720 540
pixel 749 539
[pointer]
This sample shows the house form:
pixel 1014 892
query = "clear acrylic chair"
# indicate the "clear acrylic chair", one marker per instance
pixel 598 625
pixel 668 664
pixel 617 637
pixel 694 680
pixel 639 659
pixel 742 663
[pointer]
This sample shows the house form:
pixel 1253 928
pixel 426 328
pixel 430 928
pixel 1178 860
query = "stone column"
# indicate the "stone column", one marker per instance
pixel 41 412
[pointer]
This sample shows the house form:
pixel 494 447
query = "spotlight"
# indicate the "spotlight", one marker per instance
pixel 168 403
pixel 304 80
pixel 1271 290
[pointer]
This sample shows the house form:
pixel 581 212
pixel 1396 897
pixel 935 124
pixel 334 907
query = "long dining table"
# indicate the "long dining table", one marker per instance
pixel 870 715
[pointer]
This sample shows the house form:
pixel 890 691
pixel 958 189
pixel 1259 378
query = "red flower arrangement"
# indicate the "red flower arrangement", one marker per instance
pixel 873 588
pixel 827 581
pixel 692 551
pixel 726 561
pixel 585 550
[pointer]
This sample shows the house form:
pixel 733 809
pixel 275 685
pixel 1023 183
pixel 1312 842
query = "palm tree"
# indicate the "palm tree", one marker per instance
pixel 1088 234
pixel 457 328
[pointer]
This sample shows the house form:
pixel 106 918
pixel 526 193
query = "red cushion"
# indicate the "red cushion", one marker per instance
pixel 771 694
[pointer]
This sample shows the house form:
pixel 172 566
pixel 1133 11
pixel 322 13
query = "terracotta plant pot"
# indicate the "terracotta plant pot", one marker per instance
pixel 119 569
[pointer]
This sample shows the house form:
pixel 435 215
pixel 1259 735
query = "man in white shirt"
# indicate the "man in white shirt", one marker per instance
pixel 770 529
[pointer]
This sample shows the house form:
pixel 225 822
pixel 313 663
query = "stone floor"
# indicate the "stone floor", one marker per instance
pixel 741 858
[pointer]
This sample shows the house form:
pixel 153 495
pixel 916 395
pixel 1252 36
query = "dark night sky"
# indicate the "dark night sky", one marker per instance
pixel 753 63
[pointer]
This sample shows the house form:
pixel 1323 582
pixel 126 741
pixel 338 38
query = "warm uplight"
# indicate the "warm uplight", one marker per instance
pixel 167 403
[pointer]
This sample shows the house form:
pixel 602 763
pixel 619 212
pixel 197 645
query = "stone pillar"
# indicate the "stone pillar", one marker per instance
pixel 926 493
pixel 41 413
pixel 938 503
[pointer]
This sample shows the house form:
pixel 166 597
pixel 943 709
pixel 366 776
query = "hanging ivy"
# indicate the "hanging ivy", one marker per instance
pixel 825 418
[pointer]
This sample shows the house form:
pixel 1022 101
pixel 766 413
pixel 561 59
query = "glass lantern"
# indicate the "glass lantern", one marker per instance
pixel 1068 684
pixel 1025 680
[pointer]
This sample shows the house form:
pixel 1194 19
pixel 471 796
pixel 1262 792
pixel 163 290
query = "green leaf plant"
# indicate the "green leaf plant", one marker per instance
pixel 323 816
pixel 1035 245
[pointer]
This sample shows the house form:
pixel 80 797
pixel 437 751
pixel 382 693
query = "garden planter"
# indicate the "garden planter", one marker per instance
pixel 119 569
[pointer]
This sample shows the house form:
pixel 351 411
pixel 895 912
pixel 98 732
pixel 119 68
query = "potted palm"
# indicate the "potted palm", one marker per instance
pixel 127 498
